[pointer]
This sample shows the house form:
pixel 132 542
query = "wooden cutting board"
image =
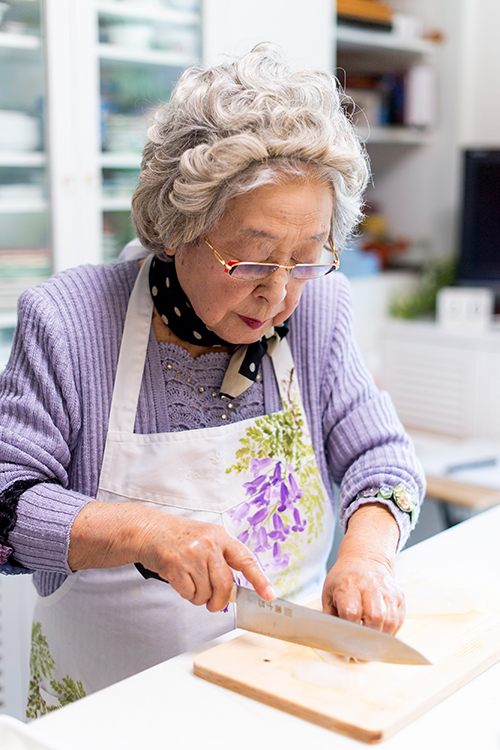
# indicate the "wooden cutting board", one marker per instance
pixel 377 699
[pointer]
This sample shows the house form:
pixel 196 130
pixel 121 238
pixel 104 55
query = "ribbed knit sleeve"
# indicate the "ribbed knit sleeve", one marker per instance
pixel 54 405
pixel 363 442
pixel 40 420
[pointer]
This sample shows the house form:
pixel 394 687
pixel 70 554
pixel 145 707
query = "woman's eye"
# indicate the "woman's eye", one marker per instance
pixel 308 259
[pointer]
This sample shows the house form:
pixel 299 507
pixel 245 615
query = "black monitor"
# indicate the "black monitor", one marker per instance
pixel 479 257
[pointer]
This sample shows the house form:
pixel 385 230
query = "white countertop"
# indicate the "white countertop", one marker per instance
pixel 169 707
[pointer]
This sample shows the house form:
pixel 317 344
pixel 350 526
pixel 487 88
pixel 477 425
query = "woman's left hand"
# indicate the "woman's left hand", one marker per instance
pixel 364 591
pixel 361 587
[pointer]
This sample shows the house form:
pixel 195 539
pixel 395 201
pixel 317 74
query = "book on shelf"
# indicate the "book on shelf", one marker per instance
pixel 405 99
pixel 420 108
pixel 367 13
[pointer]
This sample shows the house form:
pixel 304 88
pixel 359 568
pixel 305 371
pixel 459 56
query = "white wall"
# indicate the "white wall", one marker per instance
pixel 303 30
pixel 480 69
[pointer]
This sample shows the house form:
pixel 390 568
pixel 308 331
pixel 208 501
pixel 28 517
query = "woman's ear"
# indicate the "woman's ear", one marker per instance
pixel 169 251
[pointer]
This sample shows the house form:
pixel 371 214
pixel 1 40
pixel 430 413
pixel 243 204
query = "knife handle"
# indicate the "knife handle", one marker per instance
pixel 145 573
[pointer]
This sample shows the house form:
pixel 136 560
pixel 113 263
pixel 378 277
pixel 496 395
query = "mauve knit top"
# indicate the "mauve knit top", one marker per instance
pixel 55 396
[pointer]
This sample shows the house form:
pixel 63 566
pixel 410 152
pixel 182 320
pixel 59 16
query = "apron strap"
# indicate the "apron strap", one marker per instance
pixel 286 374
pixel 132 357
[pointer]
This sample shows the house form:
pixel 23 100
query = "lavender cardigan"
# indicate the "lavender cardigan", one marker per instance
pixel 56 392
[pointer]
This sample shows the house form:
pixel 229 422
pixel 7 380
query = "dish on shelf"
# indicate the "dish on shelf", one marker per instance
pixel 18 131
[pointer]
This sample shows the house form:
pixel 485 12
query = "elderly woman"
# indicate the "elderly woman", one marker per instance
pixel 192 412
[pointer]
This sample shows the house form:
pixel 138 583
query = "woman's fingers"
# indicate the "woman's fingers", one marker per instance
pixel 363 595
pixel 197 559
pixel 382 610
pixel 348 604
pixel 240 558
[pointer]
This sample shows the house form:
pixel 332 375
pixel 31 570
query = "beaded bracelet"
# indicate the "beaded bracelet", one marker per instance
pixel 400 495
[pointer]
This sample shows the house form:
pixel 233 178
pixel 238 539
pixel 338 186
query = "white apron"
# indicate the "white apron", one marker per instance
pixel 258 478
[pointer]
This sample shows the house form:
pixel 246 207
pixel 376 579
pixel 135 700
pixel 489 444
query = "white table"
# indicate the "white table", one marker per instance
pixel 168 707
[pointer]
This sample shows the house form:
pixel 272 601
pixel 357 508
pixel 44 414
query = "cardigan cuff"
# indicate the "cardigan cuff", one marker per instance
pixel 45 516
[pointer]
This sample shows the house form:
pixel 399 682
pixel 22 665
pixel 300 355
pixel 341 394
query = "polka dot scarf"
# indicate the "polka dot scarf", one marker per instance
pixel 176 312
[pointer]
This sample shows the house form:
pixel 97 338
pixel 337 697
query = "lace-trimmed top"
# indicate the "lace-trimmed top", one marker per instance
pixel 192 388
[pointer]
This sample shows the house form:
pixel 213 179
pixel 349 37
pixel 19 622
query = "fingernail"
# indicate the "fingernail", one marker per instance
pixel 269 593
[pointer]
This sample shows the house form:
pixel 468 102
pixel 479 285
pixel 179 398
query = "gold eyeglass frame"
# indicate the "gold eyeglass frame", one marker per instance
pixel 232 264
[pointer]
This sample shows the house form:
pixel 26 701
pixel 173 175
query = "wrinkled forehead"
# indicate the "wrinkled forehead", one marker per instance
pixel 304 206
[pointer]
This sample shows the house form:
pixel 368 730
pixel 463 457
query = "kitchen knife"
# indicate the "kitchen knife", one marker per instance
pixel 292 622
pixel 308 627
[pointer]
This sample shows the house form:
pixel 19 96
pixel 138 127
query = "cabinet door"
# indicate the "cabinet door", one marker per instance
pixel 25 257
pixel 111 62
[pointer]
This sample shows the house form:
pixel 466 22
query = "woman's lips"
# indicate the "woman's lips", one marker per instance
pixel 251 322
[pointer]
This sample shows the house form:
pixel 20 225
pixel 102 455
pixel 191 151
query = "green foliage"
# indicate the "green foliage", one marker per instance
pixel 42 665
pixel 36 706
pixel 41 661
pixel 68 690
pixel 422 302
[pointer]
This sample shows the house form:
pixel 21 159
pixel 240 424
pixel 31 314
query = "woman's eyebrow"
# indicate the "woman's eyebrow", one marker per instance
pixel 260 234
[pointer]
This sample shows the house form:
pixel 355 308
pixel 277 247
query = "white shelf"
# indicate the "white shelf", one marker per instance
pixel 143 11
pixel 354 38
pixel 31 206
pixel 19 41
pixel 22 159
pixel 120 160
pixel 148 56
pixel 395 135
pixel 116 203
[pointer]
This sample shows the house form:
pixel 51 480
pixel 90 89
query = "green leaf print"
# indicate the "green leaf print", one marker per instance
pixel 41 661
pixel 42 665
pixel 68 690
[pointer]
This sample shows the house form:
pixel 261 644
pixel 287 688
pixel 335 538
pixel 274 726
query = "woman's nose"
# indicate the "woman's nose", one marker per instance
pixel 273 287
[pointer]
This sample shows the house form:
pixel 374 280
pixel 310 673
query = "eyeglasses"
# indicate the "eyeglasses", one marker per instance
pixel 248 271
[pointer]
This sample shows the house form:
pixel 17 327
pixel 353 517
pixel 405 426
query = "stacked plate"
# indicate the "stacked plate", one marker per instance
pixel 18 131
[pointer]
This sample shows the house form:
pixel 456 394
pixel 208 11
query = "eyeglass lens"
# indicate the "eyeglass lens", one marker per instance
pixel 253 271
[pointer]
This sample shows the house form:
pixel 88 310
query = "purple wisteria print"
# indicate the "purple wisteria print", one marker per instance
pixel 283 510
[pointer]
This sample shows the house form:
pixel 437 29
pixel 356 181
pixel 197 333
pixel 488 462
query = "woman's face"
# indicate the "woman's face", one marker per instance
pixel 284 224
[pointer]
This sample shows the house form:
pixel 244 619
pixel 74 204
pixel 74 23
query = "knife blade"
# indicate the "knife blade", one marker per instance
pixel 292 622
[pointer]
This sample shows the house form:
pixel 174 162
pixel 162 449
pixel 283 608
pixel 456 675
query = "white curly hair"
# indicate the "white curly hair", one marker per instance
pixel 230 129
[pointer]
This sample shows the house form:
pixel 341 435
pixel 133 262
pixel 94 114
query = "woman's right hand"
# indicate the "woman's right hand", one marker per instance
pixel 196 558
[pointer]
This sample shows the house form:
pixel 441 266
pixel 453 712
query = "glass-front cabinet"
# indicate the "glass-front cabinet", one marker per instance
pixel 142 50
pixel 24 210
pixel 79 80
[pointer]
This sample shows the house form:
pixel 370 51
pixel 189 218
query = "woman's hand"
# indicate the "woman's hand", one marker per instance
pixel 194 557
pixel 360 587
pixel 364 591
